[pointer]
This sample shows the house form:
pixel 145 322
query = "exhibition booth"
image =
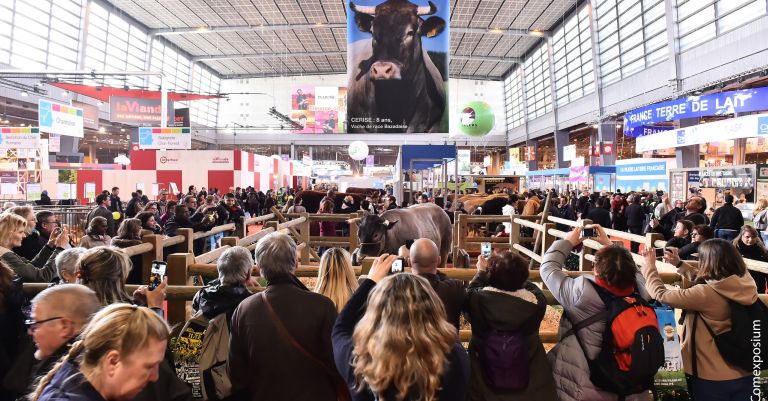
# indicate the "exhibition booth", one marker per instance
pixel 598 178
pixel 174 171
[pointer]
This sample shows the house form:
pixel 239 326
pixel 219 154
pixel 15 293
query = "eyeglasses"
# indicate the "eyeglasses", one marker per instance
pixel 51 222
pixel 32 324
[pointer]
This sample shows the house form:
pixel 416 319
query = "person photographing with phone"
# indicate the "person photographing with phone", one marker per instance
pixel 579 365
pixel 41 268
pixel 389 315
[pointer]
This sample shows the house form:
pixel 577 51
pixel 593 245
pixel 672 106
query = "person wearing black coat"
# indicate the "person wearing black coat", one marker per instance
pixel 134 205
pixel 455 375
pixel 599 215
pixel 727 220
pixel 44 199
pixel 635 217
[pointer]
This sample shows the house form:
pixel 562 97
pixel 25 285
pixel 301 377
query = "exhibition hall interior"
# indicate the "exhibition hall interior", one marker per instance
pixel 383 200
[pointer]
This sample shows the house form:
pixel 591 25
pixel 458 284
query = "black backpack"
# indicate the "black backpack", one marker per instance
pixel 630 369
pixel 749 325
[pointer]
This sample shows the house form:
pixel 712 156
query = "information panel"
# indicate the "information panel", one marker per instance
pixel 165 138
pixel 19 138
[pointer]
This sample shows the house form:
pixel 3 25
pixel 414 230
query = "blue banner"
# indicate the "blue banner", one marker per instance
pixel 697 106
pixel 644 130
pixel 642 169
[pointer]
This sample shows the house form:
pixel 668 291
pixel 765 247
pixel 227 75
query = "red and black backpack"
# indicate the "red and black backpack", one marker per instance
pixel 632 349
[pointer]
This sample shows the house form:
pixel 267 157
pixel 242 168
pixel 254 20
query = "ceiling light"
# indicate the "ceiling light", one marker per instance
pixel 65 93
pixel 102 130
pixel 24 93
pixel 495 30
pixel 202 28
pixel 594 125
pixel 122 129
pixel 23 125
pixel 537 32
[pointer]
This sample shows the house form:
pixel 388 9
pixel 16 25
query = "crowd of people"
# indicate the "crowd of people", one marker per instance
pixel 385 336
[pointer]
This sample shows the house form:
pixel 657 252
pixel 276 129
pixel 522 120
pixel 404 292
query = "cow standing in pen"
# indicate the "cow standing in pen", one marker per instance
pixel 394 228
pixel 394 86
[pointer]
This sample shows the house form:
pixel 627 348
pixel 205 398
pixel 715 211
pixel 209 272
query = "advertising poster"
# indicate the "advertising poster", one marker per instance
pixel 677 186
pixel 514 156
pixel 306 120
pixel 62 119
pixel 465 161
pixel 389 92
pixel 19 138
pixel 129 110
pixel 181 118
pixel 165 138
pixel 670 380
pixel 54 143
pixel 90 190
pixel 761 189
pixel 578 174
pixel 34 190
pixel 319 110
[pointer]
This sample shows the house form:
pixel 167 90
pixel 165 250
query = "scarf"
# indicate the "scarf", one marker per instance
pixel 619 291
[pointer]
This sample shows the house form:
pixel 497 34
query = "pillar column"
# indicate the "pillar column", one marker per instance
pixel 606 132
pixel 561 141
pixel 687 156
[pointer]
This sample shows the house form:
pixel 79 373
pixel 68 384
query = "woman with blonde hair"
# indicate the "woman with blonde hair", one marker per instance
pixel 760 218
pixel 399 345
pixel 118 354
pixel 40 269
pixel 104 270
pixel 750 246
pixel 336 277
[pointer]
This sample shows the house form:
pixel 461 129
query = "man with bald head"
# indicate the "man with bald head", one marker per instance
pixel 424 258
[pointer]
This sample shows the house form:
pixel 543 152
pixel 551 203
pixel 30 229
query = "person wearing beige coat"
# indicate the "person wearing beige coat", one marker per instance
pixel 721 277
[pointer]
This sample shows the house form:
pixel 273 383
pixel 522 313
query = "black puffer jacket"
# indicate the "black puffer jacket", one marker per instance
pixel 217 299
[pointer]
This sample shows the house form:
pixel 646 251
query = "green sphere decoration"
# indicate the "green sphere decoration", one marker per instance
pixel 476 118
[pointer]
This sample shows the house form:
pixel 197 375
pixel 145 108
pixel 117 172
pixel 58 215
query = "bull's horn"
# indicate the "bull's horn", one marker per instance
pixel 427 10
pixel 370 10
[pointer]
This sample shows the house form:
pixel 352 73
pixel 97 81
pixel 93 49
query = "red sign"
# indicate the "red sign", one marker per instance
pixel 530 153
pixel 607 148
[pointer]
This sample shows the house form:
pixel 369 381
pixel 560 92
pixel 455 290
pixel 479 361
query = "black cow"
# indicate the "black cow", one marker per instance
pixel 394 86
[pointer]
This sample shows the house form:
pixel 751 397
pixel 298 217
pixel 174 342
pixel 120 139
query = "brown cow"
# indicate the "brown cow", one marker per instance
pixel 490 204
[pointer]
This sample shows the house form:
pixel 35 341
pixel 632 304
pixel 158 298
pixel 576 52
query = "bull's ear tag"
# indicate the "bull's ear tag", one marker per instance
pixel 386 223
pixel 432 27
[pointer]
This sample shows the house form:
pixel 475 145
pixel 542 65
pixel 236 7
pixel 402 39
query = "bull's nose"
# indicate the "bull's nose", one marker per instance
pixel 384 70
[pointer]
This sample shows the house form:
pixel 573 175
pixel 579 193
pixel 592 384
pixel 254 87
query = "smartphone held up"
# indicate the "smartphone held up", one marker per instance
pixel 157 273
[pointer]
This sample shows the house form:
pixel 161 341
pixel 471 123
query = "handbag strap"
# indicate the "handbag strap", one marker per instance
pixel 287 334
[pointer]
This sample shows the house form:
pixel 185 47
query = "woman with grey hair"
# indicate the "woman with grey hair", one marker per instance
pixel 68 263
pixel 224 294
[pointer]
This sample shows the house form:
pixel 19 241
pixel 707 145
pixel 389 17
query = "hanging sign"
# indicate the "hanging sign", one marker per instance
pixel 465 161
pixel 644 130
pixel 90 190
pixel 402 90
pixel 738 101
pixel 129 110
pixel 165 138
pixel 718 131
pixel 54 143
pixel 90 114
pixel 62 119
pixel 19 138
pixel 569 152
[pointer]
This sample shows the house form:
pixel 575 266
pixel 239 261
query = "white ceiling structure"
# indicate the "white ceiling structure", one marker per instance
pixel 253 38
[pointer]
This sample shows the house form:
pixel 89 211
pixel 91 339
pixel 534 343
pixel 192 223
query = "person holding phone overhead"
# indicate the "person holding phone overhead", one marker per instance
pixel 40 269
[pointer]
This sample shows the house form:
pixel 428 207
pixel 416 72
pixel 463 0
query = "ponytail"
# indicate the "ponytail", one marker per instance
pixel 74 352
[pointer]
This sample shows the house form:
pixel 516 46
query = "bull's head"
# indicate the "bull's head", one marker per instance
pixel 372 233
pixel 397 28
